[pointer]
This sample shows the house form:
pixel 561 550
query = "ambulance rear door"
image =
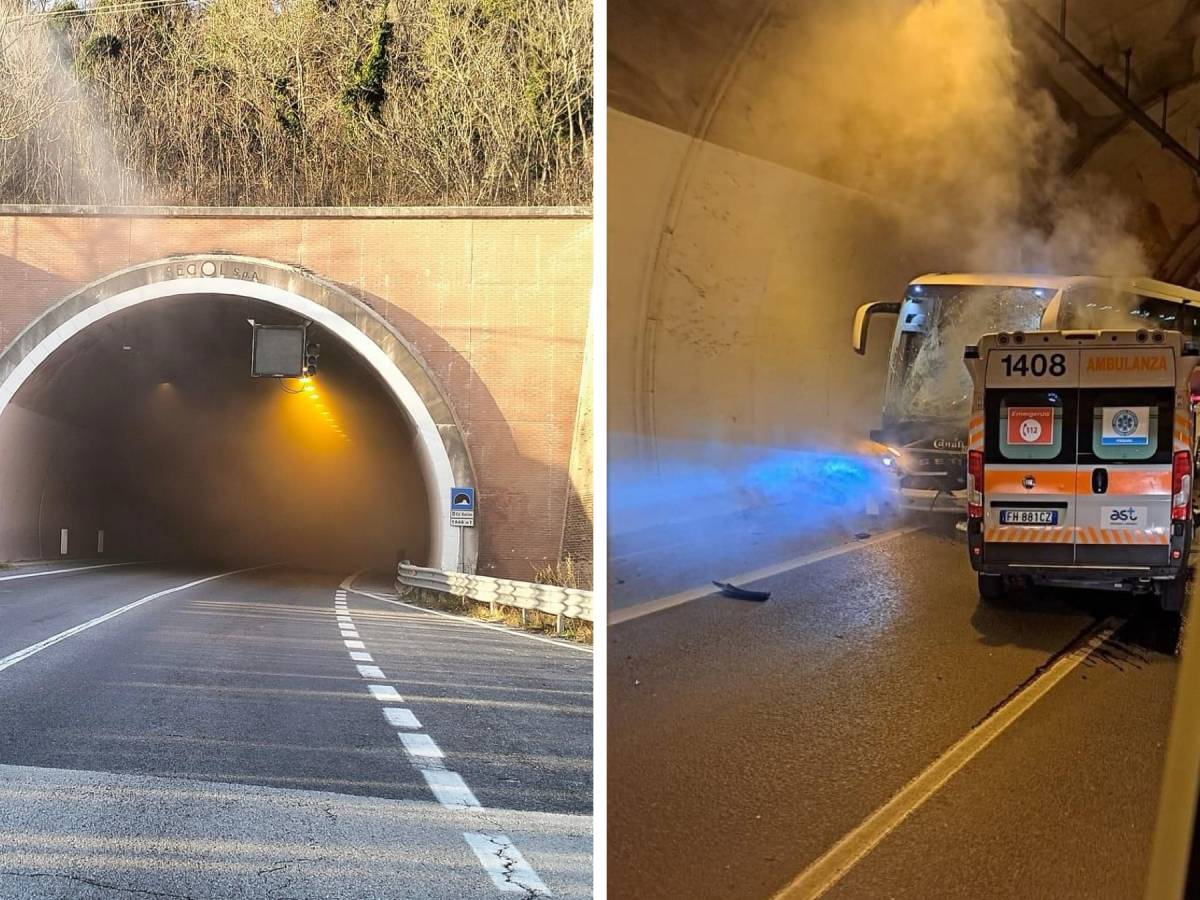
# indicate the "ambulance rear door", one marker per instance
pixel 1125 449
pixel 1030 431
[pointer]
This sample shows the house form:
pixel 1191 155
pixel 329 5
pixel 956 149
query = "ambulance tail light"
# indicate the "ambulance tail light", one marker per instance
pixel 975 484
pixel 1181 486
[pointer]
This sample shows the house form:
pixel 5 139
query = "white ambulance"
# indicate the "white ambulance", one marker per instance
pixel 1080 461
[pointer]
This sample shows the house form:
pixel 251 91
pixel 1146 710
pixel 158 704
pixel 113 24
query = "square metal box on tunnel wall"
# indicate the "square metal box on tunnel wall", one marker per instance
pixel 277 351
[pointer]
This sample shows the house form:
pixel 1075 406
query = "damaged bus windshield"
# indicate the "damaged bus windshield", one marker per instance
pixel 926 379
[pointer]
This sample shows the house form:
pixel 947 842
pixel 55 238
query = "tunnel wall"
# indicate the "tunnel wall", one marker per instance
pixel 730 316
pixel 49 481
pixel 495 301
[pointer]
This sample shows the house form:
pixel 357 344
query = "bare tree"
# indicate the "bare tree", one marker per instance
pixel 315 102
pixel 29 74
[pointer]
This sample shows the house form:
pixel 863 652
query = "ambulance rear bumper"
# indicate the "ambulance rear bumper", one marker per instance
pixel 1111 567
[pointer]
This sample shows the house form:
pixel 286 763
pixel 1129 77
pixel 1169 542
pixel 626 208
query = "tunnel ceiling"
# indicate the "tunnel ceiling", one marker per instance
pixel 670 62
pixel 199 344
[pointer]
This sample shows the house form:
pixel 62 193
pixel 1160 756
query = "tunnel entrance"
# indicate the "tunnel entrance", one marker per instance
pixel 131 427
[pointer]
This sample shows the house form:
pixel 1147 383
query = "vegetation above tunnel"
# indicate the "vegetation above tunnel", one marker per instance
pixel 296 102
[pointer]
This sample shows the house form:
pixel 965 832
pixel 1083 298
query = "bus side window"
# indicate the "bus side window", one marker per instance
pixel 1168 315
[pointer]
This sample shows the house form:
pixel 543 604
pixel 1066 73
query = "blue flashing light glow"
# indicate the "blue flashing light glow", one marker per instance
pixel 810 489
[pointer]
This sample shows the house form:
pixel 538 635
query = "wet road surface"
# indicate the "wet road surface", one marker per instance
pixel 746 739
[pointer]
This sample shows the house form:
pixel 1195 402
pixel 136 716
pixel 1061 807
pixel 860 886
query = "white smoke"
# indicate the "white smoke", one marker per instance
pixel 51 127
pixel 928 104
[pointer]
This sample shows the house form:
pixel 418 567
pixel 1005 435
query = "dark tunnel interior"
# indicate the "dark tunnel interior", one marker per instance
pixel 148 426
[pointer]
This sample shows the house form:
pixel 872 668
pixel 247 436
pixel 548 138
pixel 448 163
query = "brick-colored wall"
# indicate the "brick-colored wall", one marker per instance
pixel 497 306
pixel 578 514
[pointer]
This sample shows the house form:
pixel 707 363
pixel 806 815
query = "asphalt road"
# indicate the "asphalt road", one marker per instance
pixel 746 740
pixel 268 734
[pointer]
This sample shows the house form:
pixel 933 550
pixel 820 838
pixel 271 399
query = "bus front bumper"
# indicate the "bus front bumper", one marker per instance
pixel 922 500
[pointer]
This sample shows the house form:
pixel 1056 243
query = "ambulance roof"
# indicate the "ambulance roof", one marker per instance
pixel 1146 286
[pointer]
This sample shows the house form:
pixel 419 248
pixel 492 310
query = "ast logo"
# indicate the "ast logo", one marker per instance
pixel 1123 516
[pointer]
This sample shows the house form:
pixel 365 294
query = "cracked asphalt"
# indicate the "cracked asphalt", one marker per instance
pixel 746 738
pixel 218 742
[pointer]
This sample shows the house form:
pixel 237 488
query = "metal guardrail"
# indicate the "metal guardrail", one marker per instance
pixel 569 603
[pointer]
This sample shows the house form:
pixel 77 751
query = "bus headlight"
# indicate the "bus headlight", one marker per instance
pixel 892 458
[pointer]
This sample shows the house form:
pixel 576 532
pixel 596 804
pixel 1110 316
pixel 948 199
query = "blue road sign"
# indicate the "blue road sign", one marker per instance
pixel 462 507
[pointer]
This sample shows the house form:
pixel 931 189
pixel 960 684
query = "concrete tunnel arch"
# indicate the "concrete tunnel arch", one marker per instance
pixel 441 449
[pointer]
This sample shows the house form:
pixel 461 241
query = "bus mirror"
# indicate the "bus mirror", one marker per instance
pixel 862 320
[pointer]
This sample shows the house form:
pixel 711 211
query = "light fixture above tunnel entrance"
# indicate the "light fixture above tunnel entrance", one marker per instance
pixel 441 450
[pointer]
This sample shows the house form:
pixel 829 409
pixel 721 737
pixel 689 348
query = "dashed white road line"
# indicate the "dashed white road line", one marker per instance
pixel 449 788
pixel 421 745
pixel 501 860
pixel 826 871
pixel 385 693
pixel 13 658
pixel 399 717
pixel 505 865
pixel 70 571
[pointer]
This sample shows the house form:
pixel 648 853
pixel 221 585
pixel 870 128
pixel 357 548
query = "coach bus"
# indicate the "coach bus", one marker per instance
pixel 927 400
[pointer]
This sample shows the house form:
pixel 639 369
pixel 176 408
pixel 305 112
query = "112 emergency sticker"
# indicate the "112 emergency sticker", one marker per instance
pixel 1030 426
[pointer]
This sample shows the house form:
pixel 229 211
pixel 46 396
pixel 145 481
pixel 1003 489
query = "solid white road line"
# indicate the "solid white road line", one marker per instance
pixel 361 656
pixel 67 571
pixel 449 788
pixel 354 645
pixel 617 616
pixel 399 717
pixel 420 745
pixel 385 693
pixel 465 621
pixel 505 865
pixel 370 672
pixel 13 658
pixel 826 871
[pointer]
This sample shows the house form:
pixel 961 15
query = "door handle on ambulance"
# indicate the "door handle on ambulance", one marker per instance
pixel 1099 481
